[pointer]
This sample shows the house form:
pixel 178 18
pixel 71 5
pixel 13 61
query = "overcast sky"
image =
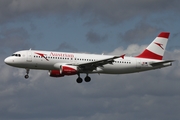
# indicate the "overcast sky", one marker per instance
pixel 91 26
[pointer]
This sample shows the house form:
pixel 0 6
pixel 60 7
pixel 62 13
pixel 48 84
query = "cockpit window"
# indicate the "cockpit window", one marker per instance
pixel 17 55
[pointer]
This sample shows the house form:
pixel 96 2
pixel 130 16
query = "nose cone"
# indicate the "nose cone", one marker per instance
pixel 7 61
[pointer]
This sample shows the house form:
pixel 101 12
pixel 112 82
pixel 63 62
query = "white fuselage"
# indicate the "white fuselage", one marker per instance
pixel 50 60
pixel 60 64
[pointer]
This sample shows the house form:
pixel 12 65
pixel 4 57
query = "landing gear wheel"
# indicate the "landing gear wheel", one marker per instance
pixel 87 79
pixel 27 72
pixel 26 76
pixel 79 80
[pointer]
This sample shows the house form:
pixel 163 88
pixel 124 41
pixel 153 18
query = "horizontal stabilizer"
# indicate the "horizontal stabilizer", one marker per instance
pixel 162 63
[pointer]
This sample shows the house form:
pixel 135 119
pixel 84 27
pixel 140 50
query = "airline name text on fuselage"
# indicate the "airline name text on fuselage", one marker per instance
pixel 61 55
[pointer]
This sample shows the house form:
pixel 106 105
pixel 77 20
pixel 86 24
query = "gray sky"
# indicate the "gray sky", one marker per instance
pixel 91 26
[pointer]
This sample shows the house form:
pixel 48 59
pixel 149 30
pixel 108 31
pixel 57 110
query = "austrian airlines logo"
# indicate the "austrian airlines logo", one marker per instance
pixel 42 55
pixel 160 45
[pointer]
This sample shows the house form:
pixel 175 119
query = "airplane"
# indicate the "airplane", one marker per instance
pixel 60 64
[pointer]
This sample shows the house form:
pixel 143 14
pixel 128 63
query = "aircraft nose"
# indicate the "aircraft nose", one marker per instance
pixel 7 60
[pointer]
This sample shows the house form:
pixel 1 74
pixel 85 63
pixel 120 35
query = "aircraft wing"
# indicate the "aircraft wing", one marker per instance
pixel 99 63
pixel 162 63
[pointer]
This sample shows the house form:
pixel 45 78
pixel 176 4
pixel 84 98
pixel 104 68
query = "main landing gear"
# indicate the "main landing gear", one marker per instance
pixel 27 74
pixel 80 80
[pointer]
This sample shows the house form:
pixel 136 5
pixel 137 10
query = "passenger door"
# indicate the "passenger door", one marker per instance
pixel 29 56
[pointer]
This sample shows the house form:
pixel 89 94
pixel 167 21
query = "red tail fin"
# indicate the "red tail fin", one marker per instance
pixel 156 49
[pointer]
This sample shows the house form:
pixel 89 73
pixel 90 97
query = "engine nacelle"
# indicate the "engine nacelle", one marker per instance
pixel 55 73
pixel 64 70
pixel 68 70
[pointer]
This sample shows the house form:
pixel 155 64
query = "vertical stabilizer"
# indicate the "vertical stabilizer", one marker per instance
pixel 156 49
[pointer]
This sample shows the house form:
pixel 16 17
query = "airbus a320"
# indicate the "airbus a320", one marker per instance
pixel 60 64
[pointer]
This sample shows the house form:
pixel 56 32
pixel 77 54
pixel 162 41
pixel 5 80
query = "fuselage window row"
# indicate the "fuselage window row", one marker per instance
pixel 77 59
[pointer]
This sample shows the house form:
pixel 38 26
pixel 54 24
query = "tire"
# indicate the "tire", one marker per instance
pixel 87 79
pixel 79 80
pixel 26 76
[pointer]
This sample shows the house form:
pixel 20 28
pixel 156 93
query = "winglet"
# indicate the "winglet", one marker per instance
pixel 122 56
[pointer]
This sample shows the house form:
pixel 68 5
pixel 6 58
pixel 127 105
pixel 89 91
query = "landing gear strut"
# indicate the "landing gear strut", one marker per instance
pixel 27 74
pixel 80 80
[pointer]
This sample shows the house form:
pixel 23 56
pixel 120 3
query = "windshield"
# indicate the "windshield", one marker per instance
pixel 17 55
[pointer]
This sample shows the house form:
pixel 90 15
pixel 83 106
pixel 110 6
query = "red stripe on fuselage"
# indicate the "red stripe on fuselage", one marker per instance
pixel 150 55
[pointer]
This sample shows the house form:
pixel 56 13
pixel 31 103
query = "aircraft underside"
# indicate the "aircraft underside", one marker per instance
pixel 88 78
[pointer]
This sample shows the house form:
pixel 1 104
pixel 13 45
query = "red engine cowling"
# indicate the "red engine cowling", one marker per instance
pixel 64 70
pixel 68 70
pixel 55 73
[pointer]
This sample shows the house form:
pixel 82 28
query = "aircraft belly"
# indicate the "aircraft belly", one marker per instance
pixel 118 69
pixel 38 64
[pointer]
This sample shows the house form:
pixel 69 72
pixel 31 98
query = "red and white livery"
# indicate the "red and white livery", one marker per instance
pixel 60 64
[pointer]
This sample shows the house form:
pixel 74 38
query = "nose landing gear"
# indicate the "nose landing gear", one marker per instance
pixel 27 74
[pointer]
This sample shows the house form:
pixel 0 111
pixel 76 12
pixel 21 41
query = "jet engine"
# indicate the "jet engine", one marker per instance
pixel 64 70
pixel 55 73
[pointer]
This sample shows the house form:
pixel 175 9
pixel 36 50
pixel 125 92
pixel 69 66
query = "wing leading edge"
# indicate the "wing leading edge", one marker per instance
pixel 89 66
